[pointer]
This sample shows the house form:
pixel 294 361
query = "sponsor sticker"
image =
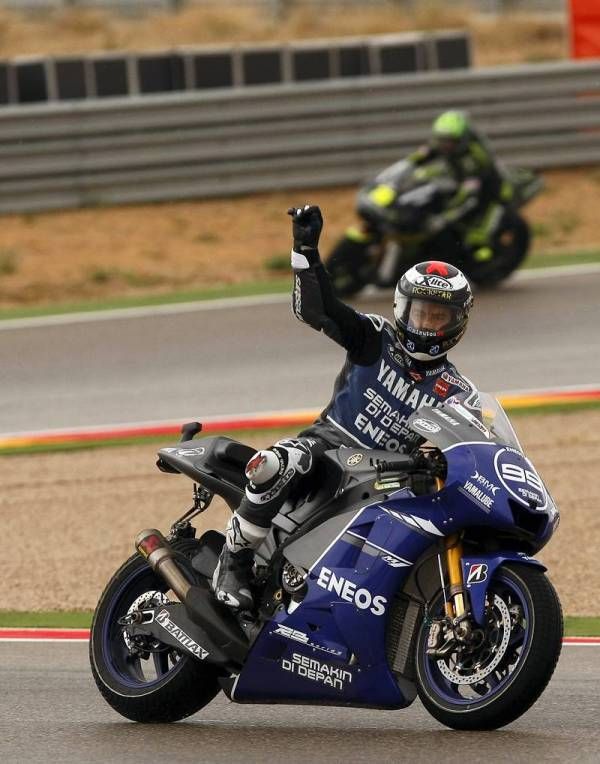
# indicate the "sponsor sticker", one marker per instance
pixel 426 425
pixel 184 639
pixel 299 636
pixel 353 460
pixel 441 388
pixel 451 379
pixel 313 669
pixel 347 590
pixel 517 474
pixel 190 451
pixel 477 573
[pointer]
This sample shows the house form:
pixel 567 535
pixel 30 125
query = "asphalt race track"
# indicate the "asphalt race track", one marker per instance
pixel 50 710
pixel 532 333
pixel 240 360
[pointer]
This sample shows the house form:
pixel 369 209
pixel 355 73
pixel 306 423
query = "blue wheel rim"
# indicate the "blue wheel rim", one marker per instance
pixel 510 662
pixel 127 669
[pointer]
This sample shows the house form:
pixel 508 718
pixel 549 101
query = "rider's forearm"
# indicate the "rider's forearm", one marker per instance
pixel 314 303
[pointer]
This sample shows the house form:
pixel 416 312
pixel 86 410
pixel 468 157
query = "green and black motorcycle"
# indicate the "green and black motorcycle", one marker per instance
pixel 395 210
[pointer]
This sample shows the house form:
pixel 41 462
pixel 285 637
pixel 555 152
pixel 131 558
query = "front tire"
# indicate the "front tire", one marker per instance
pixel 161 686
pixel 496 683
pixel 351 266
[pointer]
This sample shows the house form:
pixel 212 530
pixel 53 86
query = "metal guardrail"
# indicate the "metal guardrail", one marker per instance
pixel 38 79
pixel 284 137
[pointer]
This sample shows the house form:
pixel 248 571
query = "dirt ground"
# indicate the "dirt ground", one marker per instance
pixel 138 250
pixel 497 39
pixel 148 249
pixel 69 520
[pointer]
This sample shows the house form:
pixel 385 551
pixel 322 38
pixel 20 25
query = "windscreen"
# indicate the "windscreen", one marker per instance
pixel 456 422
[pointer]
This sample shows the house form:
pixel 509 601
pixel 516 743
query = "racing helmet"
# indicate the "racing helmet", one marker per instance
pixel 431 309
pixel 451 132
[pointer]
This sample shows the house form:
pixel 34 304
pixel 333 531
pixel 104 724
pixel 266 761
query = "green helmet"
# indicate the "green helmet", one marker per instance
pixel 451 130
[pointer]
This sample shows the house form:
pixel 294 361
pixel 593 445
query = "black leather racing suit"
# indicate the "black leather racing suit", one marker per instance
pixel 376 391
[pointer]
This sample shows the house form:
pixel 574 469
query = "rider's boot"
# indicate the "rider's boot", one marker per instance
pixel 232 579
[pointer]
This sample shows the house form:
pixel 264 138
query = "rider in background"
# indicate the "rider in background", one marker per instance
pixel 477 205
pixel 391 369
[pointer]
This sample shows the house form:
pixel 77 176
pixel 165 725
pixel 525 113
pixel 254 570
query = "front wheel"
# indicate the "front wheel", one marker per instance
pixel 145 681
pixel 351 266
pixel 491 681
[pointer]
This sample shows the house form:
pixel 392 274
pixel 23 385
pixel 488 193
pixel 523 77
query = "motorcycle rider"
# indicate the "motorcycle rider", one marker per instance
pixel 390 371
pixel 477 205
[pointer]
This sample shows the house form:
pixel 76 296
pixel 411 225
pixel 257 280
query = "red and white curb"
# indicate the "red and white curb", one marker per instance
pixel 563 396
pixel 83 635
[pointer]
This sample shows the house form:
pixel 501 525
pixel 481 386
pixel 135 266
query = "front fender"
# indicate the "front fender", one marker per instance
pixel 478 571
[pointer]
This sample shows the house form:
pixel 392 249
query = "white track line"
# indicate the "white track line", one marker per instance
pixel 532 274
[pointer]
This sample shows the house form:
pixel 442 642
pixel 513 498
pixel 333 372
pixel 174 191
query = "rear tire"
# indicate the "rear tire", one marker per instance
pixel 165 686
pixel 528 655
pixel 510 245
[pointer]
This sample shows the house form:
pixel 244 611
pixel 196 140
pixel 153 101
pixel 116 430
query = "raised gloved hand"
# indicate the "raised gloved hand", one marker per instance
pixel 307 223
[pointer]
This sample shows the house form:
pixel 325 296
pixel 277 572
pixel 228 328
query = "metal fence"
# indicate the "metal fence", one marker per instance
pixel 284 137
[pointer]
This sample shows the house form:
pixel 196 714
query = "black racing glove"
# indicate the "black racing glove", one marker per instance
pixel 307 223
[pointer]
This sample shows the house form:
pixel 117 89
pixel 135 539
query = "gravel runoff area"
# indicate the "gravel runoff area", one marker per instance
pixel 70 518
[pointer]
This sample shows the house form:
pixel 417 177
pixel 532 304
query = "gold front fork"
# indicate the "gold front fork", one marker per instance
pixel 455 605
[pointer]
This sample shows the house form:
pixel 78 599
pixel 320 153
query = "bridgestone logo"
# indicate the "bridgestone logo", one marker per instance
pixel 184 639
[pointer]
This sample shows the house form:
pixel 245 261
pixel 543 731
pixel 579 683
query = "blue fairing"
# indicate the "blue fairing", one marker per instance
pixel 332 646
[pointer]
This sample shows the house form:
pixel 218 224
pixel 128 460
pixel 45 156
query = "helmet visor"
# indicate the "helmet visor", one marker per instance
pixel 427 318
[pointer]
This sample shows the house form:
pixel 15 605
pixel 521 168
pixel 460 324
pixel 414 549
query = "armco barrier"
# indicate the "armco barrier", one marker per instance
pixel 102 75
pixel 246 140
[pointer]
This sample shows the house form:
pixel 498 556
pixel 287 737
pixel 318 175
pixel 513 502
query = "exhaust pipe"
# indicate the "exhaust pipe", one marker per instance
pixel 216 621
pixel 153 546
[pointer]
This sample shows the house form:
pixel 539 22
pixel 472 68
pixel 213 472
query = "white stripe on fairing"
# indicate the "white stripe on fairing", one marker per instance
pixel 418 522
pixel 469 443
pixel 337 538
pixel 380 548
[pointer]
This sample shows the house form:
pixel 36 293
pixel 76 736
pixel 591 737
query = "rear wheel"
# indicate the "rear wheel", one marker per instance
pixel 145 681
pixel 496 678
pixel 510 246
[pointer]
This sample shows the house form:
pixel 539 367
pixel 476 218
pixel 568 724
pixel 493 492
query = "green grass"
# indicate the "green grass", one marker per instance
pixel 578 257
pixel 575 626
pixel 68 619
pixel 275 286
pixel 582 626
pixel 554 408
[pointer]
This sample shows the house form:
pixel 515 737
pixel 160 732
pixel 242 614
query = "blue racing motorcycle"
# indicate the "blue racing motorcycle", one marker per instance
pixel 386 577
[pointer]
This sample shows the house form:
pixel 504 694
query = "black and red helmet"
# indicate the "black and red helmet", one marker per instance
pixel 431 309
